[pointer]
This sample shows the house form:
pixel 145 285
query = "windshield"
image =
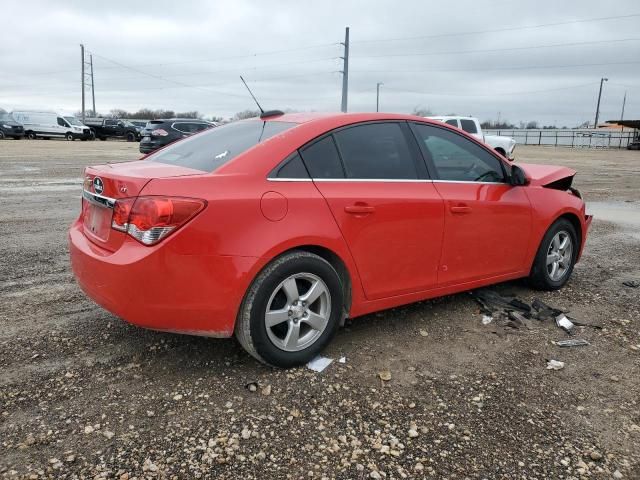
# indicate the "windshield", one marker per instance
pixel 74 121
pixel 6 117
pixel 210 150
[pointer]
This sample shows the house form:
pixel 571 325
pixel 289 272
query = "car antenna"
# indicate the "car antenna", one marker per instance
pixel 252 95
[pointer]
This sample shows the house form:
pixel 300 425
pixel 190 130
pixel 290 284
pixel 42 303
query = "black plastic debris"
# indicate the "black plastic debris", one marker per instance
pixel 631 283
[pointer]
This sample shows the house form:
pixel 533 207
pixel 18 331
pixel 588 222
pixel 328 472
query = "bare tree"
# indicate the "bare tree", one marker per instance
pixel 422 111
pixel 246 114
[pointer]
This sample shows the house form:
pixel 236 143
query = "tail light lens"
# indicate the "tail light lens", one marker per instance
pixel 159 132
pixel 150 219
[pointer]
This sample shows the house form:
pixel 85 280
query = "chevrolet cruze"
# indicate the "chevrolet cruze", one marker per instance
pixel 276 229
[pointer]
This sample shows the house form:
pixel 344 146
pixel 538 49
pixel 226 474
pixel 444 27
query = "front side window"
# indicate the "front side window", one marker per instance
pixel 456 158
pixel 61 122
pixel 376 151
pixel 217 146
pixel 468 126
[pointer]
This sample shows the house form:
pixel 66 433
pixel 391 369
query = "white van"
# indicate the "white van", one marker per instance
pixel 50 124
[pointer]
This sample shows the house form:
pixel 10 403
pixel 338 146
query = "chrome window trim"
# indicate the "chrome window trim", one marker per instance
pixel 470 181
pixel 278 179
pixel 386 180
pixel 99 200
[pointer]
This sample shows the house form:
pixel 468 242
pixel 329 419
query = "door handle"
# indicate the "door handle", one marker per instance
pixel 359 209
pixel 460 208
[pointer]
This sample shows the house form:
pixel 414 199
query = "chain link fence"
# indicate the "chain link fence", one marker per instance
pixel 573 138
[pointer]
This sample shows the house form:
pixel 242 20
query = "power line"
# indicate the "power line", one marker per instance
pixel 502 49
pixel 488 69
pixel 493 94
pixel 496 30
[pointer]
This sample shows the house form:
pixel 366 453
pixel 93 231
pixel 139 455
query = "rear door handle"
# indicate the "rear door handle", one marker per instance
pixel 460 209
pixel 359 209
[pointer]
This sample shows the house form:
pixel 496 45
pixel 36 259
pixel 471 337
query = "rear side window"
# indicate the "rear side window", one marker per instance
pixel 217 146
pixel 452 122
pixel 376 151
pixel 183 127
pixel 322 160
pixel 469 126
pixel 292 167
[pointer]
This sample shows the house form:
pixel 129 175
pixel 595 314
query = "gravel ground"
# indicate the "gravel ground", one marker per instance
pixel 85 395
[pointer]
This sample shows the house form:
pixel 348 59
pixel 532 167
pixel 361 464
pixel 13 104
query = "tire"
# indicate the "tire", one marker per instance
pixel 272 290
pixel 130 137
pixel 31 135
pixel 1 135
pixel 69 137
pixel 544 276
pixel 92 134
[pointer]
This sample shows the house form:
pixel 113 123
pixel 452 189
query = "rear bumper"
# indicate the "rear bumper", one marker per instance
pixel 161 288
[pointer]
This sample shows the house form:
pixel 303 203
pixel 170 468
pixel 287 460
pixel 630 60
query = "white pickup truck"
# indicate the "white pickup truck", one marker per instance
pixel 471 125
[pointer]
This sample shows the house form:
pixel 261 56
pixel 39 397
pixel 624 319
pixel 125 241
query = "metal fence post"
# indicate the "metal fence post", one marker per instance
pixel 540 137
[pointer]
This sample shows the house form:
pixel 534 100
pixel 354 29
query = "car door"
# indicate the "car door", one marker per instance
pixel 61 127
pixel 487 221
pixel 387 209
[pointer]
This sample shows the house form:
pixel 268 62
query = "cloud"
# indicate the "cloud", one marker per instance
pixel 188 56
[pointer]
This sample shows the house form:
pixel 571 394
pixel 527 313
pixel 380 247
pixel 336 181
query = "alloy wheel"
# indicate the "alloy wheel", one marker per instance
pixel 298 312
pixel 559 256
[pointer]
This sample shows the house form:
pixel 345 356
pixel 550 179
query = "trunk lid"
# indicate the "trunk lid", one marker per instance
pixel 105 184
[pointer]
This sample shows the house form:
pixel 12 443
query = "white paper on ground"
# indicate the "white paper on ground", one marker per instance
pixel 318 364
pixel 487 319
pixel 342 360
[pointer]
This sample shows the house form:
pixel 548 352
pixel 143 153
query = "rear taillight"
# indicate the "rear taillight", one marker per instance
pixel 150 219
pixel 159 132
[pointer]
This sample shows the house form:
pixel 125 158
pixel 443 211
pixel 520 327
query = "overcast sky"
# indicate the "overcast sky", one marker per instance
pixel 467 57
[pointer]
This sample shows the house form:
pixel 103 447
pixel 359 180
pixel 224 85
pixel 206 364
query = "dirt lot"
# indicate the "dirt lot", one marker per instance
pixel 85 395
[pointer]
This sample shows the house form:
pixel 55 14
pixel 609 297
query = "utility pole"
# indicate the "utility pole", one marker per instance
pixel 82 75
pixel 624 101
pixel 93 92
pixel 378 96
pixel 345 71
pixel 602 80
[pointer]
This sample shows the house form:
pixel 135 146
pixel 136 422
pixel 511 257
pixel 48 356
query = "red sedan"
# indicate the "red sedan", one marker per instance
pixel 276 229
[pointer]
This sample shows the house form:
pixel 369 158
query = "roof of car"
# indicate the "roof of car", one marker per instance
pixel 344 118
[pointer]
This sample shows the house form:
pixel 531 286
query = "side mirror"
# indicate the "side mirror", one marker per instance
pixel 518 177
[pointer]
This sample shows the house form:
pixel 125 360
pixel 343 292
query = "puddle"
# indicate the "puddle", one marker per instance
pixel 625 214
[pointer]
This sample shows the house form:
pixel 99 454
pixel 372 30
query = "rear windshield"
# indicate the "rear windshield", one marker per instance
pixel 208 151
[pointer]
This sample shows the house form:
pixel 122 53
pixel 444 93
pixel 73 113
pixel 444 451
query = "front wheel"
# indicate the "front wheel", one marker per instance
pixel 69 137
pixel 291 310
pixel 556 257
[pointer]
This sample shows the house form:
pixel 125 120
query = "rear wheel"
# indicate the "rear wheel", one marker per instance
pixel 130 137
pixel 291 310
pixel 556 257
pixel 1 134
pixel 31 135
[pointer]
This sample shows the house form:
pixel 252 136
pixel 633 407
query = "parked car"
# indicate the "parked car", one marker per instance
pixel 159 133
pixel 503 145
pixel 278 228
pixel 74 121
pixel 104 128
pixel 9 127
pixel 49 125
pixel 140 125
